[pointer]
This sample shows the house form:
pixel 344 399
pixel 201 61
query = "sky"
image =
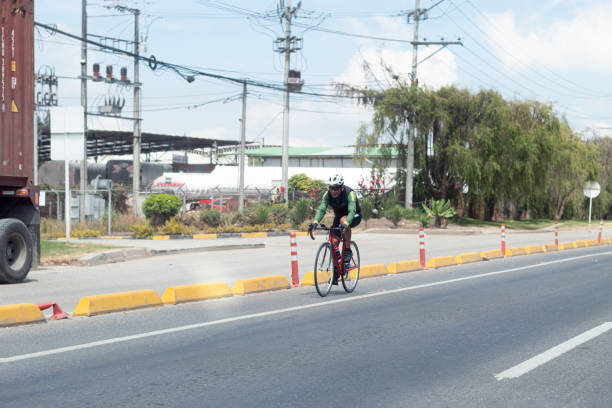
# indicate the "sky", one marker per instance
pixel 551 51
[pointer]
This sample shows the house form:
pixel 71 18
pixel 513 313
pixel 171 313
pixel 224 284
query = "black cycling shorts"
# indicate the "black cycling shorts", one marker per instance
pixel 354 223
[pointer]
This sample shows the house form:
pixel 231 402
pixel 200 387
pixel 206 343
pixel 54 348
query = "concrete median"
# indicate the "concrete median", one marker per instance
pixel 492 254
pixel 369 271
pixel 516 251
pixel 566 245
pixel 468 257
pixel 441 261
pixel 116 302
pixel 260 284
pixel 191 293
pixel 535 249
pixel 404 266
pixel 21 313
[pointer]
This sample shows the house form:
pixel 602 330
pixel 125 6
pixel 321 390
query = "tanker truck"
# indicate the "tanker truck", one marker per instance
pixel 19 193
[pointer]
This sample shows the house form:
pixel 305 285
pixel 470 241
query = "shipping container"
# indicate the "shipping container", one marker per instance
pixel 19 213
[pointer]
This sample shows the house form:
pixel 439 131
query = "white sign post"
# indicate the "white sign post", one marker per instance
pixel 67 143
pixel 591 189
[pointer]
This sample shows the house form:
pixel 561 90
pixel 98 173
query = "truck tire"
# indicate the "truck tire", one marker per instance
pixel 15 250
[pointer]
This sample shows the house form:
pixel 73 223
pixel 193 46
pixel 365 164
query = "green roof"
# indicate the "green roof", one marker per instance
pixel 275 151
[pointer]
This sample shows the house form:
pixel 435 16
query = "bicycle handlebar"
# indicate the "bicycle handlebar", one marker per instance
pixel 323 227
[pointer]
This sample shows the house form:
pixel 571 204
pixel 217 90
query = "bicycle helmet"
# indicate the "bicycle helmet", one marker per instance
pixel 335 180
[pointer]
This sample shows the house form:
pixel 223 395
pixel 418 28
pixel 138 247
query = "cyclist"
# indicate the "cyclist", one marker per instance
pixel 347 214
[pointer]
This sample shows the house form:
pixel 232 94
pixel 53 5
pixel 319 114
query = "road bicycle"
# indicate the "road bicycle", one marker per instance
pixel 329 260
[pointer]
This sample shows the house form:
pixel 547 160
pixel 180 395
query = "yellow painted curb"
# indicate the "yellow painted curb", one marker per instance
pixel 369 271
pixel 204 236
pixel 116 302
pixel 566 245
pixel 308 279
pixel 516 251
pixel 260 284
pixel 551 247
pixel 200 291
pixel 404 266
pixel 606 240
pixel 579 244
pixel 468 257
pixel 590 242
pixel 535 249
pixel 161 237
pixel 254 234
pixel 491 254
pixel 301 234
pixel 110 237
pixel 21 313
pixel 71 238
pixel 440 261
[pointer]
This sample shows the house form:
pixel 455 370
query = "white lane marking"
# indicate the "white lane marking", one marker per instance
pixel 550 354
pixel 275 312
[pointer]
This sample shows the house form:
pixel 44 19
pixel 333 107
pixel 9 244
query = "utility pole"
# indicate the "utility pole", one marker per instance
pixel 137 135
pixel 417 14
pixel 242 143
pixel 83 178
pixel 287 45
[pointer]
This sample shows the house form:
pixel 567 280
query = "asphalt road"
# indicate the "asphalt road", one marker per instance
pixel 67 284
pixel 521 332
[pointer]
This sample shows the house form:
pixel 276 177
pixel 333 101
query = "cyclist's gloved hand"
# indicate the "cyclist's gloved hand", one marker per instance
pixel 344 227
pixel 311 227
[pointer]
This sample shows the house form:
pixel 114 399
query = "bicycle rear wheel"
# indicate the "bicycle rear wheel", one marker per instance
pixel 323 269
pixel 350 277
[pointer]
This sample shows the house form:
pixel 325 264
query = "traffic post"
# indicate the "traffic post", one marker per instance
pixel 294 263
pixel 503 239
pixel 600 231
pixel 556 234
pixel 422 246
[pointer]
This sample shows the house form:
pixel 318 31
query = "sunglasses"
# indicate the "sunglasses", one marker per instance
pixel 335 188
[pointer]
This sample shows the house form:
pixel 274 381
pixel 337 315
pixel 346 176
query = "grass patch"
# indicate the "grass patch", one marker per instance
pixel 56 248
pixel 522 224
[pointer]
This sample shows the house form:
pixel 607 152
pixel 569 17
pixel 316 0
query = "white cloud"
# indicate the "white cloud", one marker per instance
pixel 581 42
pixel 439 70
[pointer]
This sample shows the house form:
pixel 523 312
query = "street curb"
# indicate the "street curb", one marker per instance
pixel 260 284
pixel 157 252
pixel 20 313
pixel 117 302
pixel 491 254
pixel 128 254
pixel 117 255
pixel 199 291
pixel 535 249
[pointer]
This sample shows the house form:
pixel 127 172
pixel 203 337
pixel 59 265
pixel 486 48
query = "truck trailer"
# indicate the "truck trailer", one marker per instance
pixel 19 192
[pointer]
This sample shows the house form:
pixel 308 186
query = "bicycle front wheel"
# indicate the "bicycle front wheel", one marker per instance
pixel 350 277
pixel 323 269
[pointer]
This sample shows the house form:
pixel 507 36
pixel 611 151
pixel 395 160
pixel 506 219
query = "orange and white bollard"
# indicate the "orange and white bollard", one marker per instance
pixel 295 277
pixel 556 234
pixel 503 239
pixel 422 246
pixel 600 231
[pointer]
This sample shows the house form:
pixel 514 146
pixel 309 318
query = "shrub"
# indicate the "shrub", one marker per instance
pixel 395 214
pixel 85 233
pixel 123 222
pixel 440 209
pixel 300 212
pixel 367 209
pixel 211 217
pixel 279 213
pixel 142 230
pixel 161 207
pixel 257 214
pixel 175 227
